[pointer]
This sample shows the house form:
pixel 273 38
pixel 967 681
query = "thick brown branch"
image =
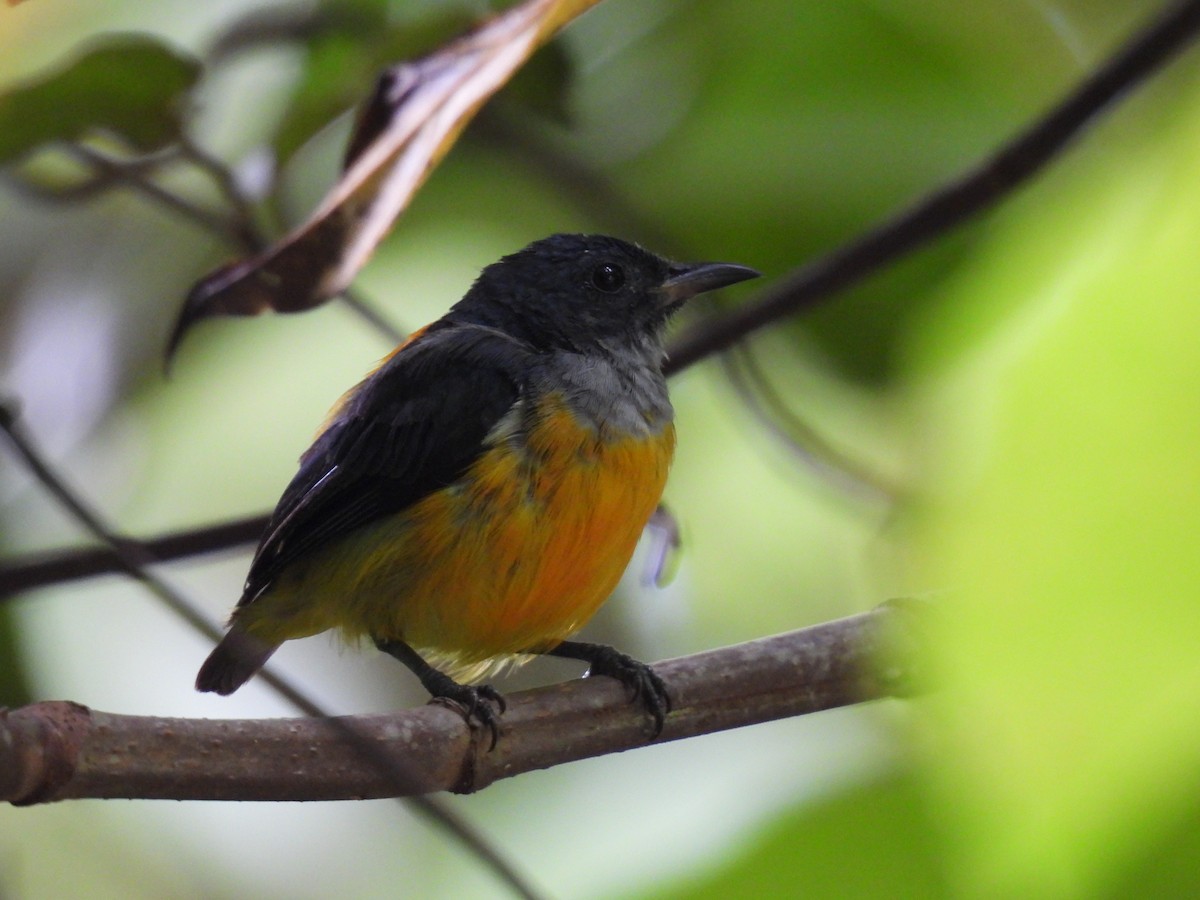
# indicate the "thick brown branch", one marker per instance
pixel 1012 166
pixel 60 726
pixel 55 751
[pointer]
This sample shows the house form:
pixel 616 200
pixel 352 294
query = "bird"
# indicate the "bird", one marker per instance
pixel 473 501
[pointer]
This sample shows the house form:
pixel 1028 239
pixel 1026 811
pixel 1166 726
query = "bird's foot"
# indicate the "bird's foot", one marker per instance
pixel 642 681
pixel 477 704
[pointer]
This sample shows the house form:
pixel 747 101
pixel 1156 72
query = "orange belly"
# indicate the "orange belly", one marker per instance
pixel 515 557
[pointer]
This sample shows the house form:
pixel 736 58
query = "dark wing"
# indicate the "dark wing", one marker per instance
pixel 412 427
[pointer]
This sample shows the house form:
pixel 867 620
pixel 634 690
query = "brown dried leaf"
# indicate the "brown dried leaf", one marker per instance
pixel 415 115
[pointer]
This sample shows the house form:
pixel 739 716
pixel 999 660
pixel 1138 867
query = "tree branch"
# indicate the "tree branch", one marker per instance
pixel 996 177
pixel 134 175
pixel 59 566
pixel 58 750
pixel 134 560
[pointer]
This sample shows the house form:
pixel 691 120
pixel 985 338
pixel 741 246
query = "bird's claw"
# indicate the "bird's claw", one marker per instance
pixel 641 681
pixel 475 705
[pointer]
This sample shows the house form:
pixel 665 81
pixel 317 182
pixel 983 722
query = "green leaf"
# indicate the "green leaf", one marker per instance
pixel 1065 519
pixel 872 840
pixel 130 86
pixel 1168 869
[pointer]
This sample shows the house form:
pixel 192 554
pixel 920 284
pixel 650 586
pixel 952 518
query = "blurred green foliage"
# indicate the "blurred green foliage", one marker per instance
pixel 1030 380
pixel 871 840
pixel 130 87
pixel 1072 535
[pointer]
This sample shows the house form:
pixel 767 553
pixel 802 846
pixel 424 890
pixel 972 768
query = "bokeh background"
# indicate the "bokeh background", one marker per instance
pixel 1011 417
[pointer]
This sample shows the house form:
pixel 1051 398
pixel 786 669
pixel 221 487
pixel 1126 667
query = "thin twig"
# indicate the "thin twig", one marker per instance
pixel 57 567
pixel 999 175
pixel 98 182
pixel 242 226
pixel 369 314
pixel 763 402
pixel 251 238
pixel 135 560
pixel 134 177
pixel 53 751
pixel 238 228
pixel 130 557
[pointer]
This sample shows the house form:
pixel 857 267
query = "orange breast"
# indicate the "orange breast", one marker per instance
pixel 522 553
pixel 515 557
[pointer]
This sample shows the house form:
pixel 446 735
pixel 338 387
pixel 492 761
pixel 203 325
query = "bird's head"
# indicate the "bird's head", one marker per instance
pixel 585 292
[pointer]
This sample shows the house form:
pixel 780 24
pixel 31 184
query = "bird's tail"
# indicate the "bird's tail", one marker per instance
pixel 233 662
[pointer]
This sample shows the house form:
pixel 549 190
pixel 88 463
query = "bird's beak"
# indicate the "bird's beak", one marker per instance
pixel 686 280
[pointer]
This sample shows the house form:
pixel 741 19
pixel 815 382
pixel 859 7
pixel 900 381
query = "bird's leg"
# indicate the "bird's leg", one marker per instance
pixel 472 701
pixel 638 677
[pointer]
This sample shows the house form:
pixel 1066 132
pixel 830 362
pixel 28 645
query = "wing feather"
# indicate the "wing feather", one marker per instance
pixel 411 427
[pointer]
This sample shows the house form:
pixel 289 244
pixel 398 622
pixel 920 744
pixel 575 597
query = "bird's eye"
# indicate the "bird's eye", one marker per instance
pixel 608 278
